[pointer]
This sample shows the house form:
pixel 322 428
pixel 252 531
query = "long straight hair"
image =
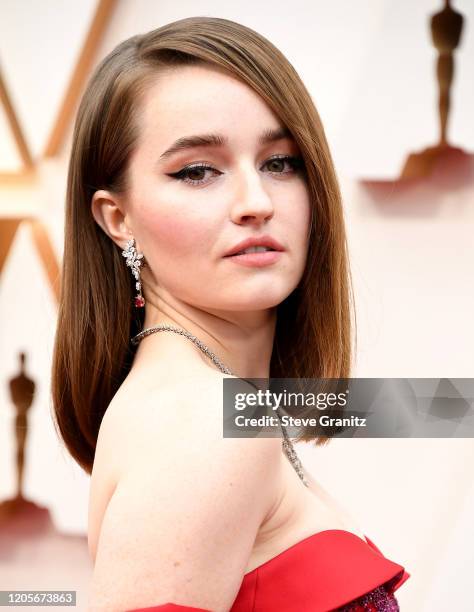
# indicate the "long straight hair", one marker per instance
pixel 92 351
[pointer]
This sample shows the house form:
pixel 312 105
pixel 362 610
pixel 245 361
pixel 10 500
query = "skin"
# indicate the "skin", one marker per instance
pixel 185 229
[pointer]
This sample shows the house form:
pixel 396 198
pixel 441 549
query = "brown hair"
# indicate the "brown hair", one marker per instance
pixel 92 351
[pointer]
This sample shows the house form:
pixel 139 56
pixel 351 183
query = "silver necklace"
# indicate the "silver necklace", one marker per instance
pixel 287 444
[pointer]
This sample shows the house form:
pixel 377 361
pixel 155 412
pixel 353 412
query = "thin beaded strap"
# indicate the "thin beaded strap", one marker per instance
pixel 286 442
pixel 150 330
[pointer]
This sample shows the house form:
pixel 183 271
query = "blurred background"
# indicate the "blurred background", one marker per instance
pixel 405 163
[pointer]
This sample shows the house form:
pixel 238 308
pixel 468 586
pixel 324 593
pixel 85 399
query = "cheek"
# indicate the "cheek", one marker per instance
pixel 298 215
pixel 173 236
pixel 306 212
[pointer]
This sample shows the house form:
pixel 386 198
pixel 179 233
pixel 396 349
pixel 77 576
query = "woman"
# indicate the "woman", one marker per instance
pixel 195 142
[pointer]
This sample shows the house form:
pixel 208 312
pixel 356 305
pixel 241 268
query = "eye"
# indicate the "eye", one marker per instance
pixel 277 163
pixel 194 174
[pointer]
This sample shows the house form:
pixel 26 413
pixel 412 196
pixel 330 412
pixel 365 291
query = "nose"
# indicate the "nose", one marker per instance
pixel 252 204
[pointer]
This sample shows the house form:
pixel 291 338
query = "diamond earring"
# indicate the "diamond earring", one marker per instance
pixel 134 260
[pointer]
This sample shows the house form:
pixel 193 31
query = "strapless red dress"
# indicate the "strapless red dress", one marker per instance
pixel 332 570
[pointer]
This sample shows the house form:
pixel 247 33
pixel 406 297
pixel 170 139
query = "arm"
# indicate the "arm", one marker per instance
pixel 170 607
pixel 181 523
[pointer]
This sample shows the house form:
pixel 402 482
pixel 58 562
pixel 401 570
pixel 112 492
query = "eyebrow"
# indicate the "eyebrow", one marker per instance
pixel 217 140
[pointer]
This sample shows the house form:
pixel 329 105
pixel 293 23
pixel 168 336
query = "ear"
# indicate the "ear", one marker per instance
pixel 108 211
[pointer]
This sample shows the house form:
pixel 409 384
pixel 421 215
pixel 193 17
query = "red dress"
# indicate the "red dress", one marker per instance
pixel 330 570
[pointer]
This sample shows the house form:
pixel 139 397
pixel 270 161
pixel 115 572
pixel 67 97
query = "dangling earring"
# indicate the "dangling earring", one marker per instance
pixel 134 261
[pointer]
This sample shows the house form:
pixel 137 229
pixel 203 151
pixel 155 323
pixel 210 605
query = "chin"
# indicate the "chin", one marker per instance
pixel 262 300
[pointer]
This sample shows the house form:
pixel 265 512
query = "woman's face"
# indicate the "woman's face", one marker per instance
pixel 188 207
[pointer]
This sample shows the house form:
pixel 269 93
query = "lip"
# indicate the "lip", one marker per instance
pixel 266 241
pixel 256 260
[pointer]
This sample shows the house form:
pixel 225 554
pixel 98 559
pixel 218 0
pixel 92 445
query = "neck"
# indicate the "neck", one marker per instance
pixel 242 340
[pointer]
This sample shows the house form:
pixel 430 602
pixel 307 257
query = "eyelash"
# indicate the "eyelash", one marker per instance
pixel 181 175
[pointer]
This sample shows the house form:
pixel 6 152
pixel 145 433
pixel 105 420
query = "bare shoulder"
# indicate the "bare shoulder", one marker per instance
pixel 138 415
pixel 187 504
